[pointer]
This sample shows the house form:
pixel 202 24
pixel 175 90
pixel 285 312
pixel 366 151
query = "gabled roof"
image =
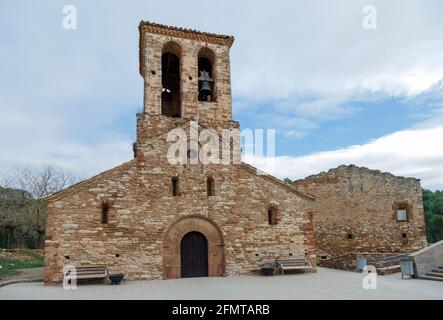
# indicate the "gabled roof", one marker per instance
pixel 128 165
pixel 275 180
pixel 85 183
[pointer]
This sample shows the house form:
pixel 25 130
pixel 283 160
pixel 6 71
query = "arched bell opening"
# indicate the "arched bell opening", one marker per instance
pixel 206 77
pixel 170 96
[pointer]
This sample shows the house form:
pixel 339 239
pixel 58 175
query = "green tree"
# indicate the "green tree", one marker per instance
pixel 27 214
pixel 433 207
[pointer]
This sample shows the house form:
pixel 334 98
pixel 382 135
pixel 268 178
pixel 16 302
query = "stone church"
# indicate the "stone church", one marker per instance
pixel 151 219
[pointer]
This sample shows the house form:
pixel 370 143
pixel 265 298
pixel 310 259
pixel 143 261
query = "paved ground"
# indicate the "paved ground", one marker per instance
pixel 326 284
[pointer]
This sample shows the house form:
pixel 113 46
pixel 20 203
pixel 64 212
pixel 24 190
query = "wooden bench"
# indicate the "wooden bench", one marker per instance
pixel 91 272
pixel 293 264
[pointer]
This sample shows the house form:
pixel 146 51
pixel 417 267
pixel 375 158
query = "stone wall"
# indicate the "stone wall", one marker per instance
pixel 187 47
pixel 355 211
pixel 344 262
pixel 350 261
pixel 142 209
pixel 427 259
pixel 146 221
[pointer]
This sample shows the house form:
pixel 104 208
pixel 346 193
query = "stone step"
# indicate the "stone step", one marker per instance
pixel 435 274
pixel 431 278
pixel 440 267
pixel 437 270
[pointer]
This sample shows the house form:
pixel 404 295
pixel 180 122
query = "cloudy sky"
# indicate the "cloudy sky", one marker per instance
pixel 335 92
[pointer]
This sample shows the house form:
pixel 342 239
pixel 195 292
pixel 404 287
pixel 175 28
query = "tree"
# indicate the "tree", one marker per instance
pixel 13 203
pixel 433 207
pixel 28 214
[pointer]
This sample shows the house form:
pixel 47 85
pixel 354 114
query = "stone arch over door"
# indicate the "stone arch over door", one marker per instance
pixel 174 236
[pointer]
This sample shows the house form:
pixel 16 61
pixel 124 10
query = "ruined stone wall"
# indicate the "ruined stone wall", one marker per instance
pixel 362 203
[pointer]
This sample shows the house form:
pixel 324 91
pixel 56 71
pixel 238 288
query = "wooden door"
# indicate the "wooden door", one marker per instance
pixel 194 255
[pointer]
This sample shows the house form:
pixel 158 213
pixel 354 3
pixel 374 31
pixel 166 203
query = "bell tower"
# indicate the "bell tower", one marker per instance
pixel 186 73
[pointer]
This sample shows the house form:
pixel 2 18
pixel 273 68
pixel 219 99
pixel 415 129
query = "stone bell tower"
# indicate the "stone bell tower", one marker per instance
pixel 186 73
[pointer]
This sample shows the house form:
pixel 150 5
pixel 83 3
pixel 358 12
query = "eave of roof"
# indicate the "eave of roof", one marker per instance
pixel 271 178
pixel 147 26
pixel 85 183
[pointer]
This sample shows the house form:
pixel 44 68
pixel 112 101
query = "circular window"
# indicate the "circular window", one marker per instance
pixel 192 154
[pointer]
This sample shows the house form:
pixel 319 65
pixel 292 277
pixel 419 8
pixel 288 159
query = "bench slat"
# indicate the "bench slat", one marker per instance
pixel 293 264
pixel 91 272
pixel 93 276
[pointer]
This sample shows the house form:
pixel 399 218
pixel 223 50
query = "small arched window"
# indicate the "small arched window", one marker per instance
pixel 272 216
pixel 105 213
pixel 174 186
pixel 210 187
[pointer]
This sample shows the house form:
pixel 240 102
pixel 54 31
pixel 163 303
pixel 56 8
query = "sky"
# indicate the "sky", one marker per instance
pixel 335 92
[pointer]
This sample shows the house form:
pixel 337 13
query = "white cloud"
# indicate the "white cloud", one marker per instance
pixel 412 153
pixel 62 91
pixel 320 47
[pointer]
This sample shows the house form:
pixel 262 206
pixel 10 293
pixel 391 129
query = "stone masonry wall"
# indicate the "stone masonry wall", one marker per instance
pixel 142 209
pixel 362 202
pixel 146 222
pixel 189 49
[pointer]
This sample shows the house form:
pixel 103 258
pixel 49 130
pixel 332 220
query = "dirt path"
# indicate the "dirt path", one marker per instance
pixel 23 275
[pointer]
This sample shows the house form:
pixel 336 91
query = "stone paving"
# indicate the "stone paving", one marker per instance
pixel 326 284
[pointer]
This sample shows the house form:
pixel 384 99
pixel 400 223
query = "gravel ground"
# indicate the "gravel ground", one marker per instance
pixel 326 284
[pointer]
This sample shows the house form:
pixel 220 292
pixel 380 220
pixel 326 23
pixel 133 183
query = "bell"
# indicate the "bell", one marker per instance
pixel 205 88
pixel 206 80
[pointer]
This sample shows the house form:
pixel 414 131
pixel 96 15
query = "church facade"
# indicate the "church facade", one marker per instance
pixel 153 219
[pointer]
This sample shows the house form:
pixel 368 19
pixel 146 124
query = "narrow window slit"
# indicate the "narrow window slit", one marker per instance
pixel 174 186
pixel 210 187
pixel 105 213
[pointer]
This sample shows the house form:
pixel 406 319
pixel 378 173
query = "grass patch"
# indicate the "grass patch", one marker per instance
pixel 10 266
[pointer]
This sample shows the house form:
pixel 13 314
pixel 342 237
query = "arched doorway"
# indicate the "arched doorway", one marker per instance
pixel 194 255
pixel 195 229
